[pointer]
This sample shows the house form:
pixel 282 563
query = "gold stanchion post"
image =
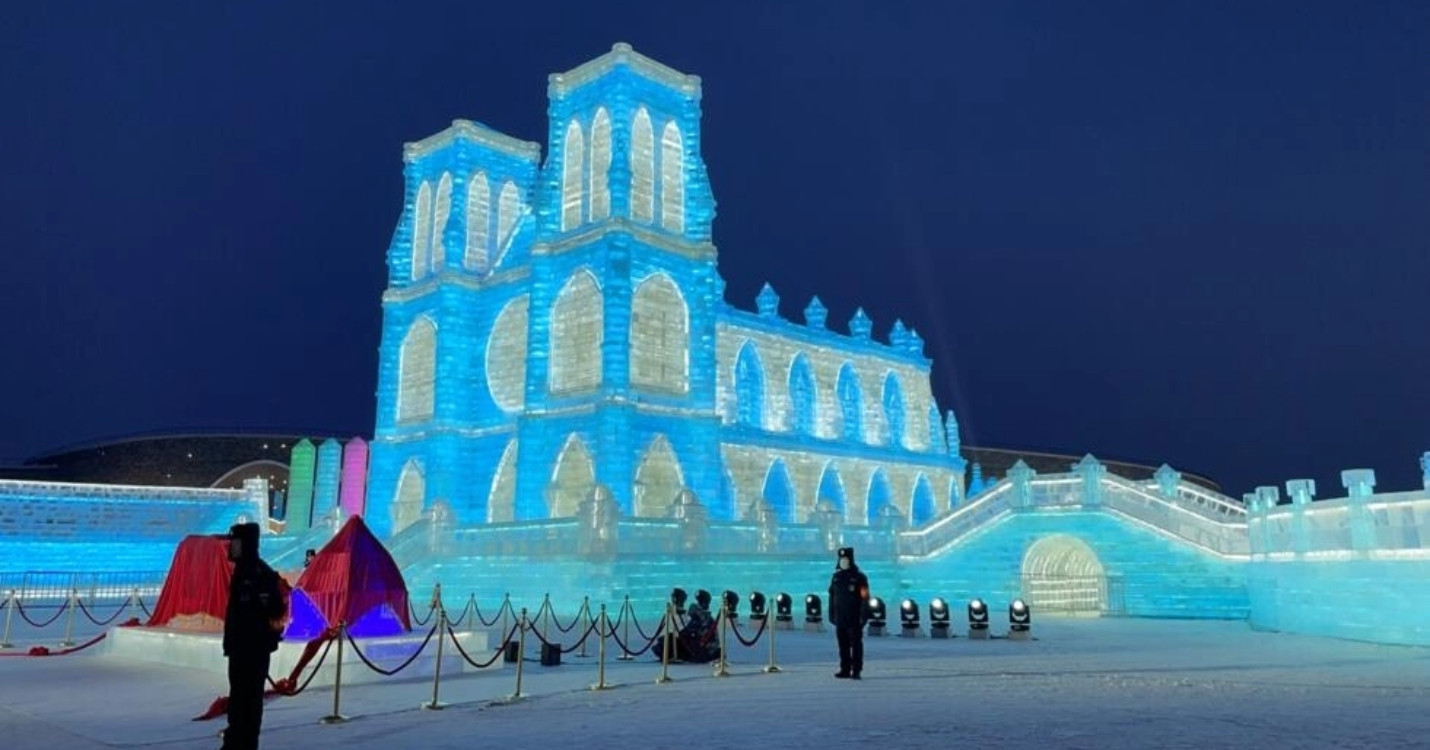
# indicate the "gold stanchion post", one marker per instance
pixel 721 665
pixel 772 667
pixel 520 656
pixel 602 622
pixel 626 615
pixel 336 717
pixel 666 640
pixel 437 705
pixel 10 603
pixel 69 619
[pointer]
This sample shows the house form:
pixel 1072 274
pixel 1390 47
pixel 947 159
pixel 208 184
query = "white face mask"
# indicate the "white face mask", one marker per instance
pixel 844 563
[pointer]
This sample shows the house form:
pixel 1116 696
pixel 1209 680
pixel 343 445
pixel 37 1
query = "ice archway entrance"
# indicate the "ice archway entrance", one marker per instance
pixel 1061 573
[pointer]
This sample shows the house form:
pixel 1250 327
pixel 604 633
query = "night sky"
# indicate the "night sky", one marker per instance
pixel 1193 232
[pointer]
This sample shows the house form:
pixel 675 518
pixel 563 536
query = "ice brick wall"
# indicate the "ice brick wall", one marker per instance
pixel 1352 567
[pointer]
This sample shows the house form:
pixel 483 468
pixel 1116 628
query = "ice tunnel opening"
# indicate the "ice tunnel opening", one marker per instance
pixel 1062 574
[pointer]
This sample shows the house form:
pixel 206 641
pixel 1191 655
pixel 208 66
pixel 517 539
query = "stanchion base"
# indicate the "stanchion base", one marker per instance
pixel 604 686
pixel 513 698
pixel 625 657
pixel 429 706
pixel 663 680
pixel 66 644
pixel 721 672
pixel 771 669
pixel 7 645
pixel 333 719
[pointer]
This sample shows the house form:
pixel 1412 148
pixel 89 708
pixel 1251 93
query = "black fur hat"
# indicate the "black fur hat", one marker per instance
pixel 846 552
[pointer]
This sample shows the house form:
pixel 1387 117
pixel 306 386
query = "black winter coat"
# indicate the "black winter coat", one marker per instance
pixel 256 607
pixel 849 597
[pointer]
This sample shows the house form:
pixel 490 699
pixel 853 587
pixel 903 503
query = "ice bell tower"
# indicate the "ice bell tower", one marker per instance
pixel 624 291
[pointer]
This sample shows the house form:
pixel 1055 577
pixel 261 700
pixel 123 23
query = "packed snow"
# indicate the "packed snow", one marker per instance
pixel 1083 683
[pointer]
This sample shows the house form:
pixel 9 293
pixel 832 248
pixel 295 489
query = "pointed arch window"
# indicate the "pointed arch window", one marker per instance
pixel 441 212
pixel 417 372
pixel 642 168
pixel 573 162
pixel 660 336
pixel 577 322
pixel 749 387
pixel 672 179
pixel 508 213
pixel 851 403
pixel 802 395
pixel 479 199
pixel 422 231
pixel 600 165
pixel 894 410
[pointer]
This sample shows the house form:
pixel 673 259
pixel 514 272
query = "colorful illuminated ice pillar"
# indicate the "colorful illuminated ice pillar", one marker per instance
pixel 300 486
pixel 353 495
pixel 325 486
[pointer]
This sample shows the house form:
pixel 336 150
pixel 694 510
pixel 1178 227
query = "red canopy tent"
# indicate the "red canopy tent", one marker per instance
pixel 195 592
pixel 352 576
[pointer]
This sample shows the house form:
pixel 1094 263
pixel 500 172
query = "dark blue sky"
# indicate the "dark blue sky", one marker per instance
pixel 1192 232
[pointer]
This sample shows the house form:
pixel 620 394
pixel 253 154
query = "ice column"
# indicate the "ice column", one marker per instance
pixel 694 520
pixel 1167 480
pixel 1301 492
pixel 1268 498
pixel 353 493
pixel 599 523
pixel 1021 475
pixel 1091 472
pixel 1359 484
pixel 300 487
pixel 255 491
pixel 325 482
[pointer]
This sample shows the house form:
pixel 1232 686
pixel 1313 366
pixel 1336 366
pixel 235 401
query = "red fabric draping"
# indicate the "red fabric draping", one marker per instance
pixel 351 575
pixel 197 583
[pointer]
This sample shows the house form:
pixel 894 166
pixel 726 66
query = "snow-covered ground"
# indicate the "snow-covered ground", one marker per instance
pixel 1084 683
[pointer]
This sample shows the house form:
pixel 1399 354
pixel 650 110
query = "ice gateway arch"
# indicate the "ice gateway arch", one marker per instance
pixel 548 328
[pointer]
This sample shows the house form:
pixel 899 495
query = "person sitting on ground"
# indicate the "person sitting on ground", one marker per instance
pixel 697 642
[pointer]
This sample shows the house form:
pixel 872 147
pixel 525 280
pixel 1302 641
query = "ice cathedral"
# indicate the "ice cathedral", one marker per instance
pixel 548 328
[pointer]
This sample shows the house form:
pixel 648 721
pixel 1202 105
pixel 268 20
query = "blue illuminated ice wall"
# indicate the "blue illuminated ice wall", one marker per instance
pixel 550 327
pixel 1356 566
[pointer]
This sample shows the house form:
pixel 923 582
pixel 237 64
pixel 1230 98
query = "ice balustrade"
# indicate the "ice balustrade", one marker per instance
pixel 1356 566
pixel 84 512
pixel 1202 518
pixel 1359 525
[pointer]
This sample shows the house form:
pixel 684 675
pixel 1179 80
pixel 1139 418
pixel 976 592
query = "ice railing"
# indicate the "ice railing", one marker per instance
pixel 11 489
pixel 957 523
pixel 53 510
pixel 1385 526
pixel 1191 521
pixel 1195 515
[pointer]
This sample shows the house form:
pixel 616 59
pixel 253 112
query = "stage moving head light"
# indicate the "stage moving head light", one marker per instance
pixel 784 607
pixel 977 619
pixel 909 618
pixel 938 618
pixel 1020 620
pixel 878 614
pixel 757 606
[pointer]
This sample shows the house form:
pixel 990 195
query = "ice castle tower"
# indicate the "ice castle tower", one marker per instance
pixel 550 327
